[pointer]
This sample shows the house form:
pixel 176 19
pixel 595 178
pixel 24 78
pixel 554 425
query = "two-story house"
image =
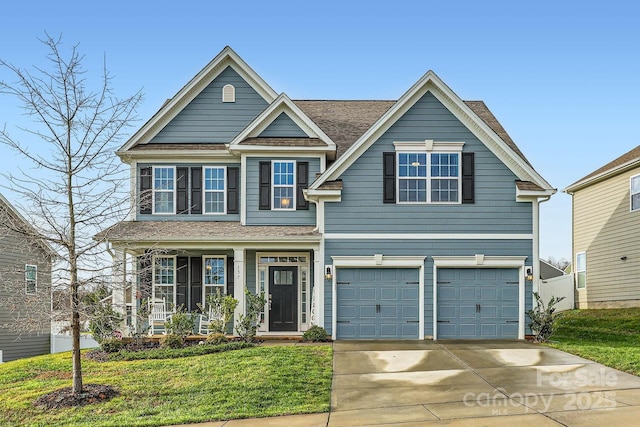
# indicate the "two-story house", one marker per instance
pixel 25 287
pixel 408 219
pixel 605 234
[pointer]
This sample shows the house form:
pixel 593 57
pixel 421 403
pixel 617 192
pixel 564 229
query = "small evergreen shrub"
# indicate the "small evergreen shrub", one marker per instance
pixel 248 324
pixel 315 334
pixel 111 345
pixel 215 339
pixel 181 323
pixel 543 318
pixel 171 341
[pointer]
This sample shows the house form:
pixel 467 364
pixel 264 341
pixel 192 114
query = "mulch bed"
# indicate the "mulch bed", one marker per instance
pixel 64 398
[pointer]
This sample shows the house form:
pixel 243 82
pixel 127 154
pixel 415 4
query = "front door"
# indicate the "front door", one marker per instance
pixel 283 298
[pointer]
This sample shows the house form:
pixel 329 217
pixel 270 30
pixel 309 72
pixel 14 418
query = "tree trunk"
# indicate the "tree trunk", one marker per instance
pixel 75 331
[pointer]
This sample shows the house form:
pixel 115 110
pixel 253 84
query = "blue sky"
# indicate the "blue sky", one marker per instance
pixel 562 77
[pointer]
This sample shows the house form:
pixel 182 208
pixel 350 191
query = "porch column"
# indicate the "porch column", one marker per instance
pixel 318 275
pixel 119 284
pixel 239 284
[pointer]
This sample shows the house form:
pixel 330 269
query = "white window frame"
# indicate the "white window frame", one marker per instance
pixel 204 275
pixel 154 191
pixel 172 304
pixel 28 281
pixel 583 271
pixel 632 193
pixel 428 147
pixel 292 206
pixel 205 191
pixel 228 93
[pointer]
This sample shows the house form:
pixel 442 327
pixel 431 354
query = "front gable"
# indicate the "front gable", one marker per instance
pixel 505 151
pixel 208 119
pixel 283 126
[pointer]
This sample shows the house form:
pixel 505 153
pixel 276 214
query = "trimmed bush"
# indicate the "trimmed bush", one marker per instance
pixel 315 334
pixel 171 341
pixel 111 345
pixel 172 353
pixel 215 339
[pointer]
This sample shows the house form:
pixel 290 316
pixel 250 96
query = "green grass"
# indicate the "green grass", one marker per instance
pixel 610 337
pixel 254 382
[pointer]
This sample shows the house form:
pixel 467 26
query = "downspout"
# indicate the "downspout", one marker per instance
pixel 536 243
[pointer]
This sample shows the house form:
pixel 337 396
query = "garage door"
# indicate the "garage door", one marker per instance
pixel 477 303
pixel 377 303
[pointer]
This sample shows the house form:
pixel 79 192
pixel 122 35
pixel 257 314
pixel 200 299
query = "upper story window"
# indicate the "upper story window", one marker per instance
pixel 635 193
pixel 581 270
pixel 428 172
pixel 31 279
pixel 214 276
pixel 164 194
pixel 228 93
pixel 164 279
pixel 214 190
pixel 283 185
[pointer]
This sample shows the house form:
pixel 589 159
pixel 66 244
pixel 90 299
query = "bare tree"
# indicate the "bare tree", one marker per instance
pixel 560 263
pixel 74 186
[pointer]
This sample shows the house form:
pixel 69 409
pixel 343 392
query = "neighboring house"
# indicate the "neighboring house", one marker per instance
pixel 606 234
pixel 548 271
pixel 407 219
pixel 25 287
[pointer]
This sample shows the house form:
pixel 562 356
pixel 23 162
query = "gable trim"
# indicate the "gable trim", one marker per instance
pixel 282 104
pixel 226 58
pixel 430 82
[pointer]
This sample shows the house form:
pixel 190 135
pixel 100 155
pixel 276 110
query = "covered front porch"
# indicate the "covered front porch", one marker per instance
pixel 285 266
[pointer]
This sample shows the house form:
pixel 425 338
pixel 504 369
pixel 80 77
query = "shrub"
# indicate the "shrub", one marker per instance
pixel 248 324
pixel 171 341
pixel 221 311
pixel 171 353
pixel 215 339
pixel 543 318
pixel 104 322
pixel 111 345
pixel 181 323
pixel 315 334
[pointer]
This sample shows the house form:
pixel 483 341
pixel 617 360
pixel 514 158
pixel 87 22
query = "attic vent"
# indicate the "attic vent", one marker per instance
pixel 228 93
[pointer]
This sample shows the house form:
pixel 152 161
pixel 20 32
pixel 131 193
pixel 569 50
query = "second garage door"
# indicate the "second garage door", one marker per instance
pixel 377 303
pixel 477 303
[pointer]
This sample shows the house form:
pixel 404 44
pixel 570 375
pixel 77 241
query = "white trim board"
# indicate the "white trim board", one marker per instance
pixel 426 236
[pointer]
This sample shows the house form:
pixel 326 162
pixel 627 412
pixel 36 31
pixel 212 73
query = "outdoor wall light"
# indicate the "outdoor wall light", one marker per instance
pixel 327 273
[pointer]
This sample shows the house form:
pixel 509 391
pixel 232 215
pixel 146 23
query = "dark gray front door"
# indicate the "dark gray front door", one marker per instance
pixel 478 303
pixel 377 303
pixel 283 294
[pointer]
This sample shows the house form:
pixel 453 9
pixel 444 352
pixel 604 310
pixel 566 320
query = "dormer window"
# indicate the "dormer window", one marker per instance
pixel 228 93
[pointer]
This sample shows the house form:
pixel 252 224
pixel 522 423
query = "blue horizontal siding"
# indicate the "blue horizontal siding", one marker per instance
pixel 428 249
pixel 206 119
pixel 256 216
pixel 283 126
pixel 362 210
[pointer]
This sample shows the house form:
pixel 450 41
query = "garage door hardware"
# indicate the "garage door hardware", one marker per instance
pixel 443 283
pixel 343 283
pixel 342 321
pixel 444 321
pixel 412 283
pixel 512 321
pixel 478 308
pixel 413 321
pixel 377 308
pixel 512 283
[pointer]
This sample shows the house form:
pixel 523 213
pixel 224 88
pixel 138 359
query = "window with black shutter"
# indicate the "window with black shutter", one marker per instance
pixel 468 185
pixel 302 181
pixel 265 186
pixel 233 190
pixel 389 177
pixel 145 190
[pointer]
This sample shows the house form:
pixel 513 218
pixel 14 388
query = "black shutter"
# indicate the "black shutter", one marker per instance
pixel 389 177
pixel 230 277
pixel 196 283
pixel 196 190
pixel 182 271
pixel 468 186
pixel 302 181
pixel 145 190
pixel 145 275
pixel 265 186
pixel 182 188
pixel 233 190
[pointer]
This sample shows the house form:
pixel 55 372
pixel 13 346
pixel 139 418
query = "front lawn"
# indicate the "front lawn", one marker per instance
pixel 254 382
pixel 610 337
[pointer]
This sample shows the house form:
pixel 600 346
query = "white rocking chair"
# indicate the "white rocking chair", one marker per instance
pixel 158 317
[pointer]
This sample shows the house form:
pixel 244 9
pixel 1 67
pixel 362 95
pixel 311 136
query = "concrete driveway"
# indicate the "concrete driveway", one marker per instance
pixel 475 383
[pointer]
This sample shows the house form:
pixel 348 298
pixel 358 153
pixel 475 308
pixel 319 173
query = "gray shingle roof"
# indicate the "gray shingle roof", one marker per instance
pixel 628 157
pixel 166 231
